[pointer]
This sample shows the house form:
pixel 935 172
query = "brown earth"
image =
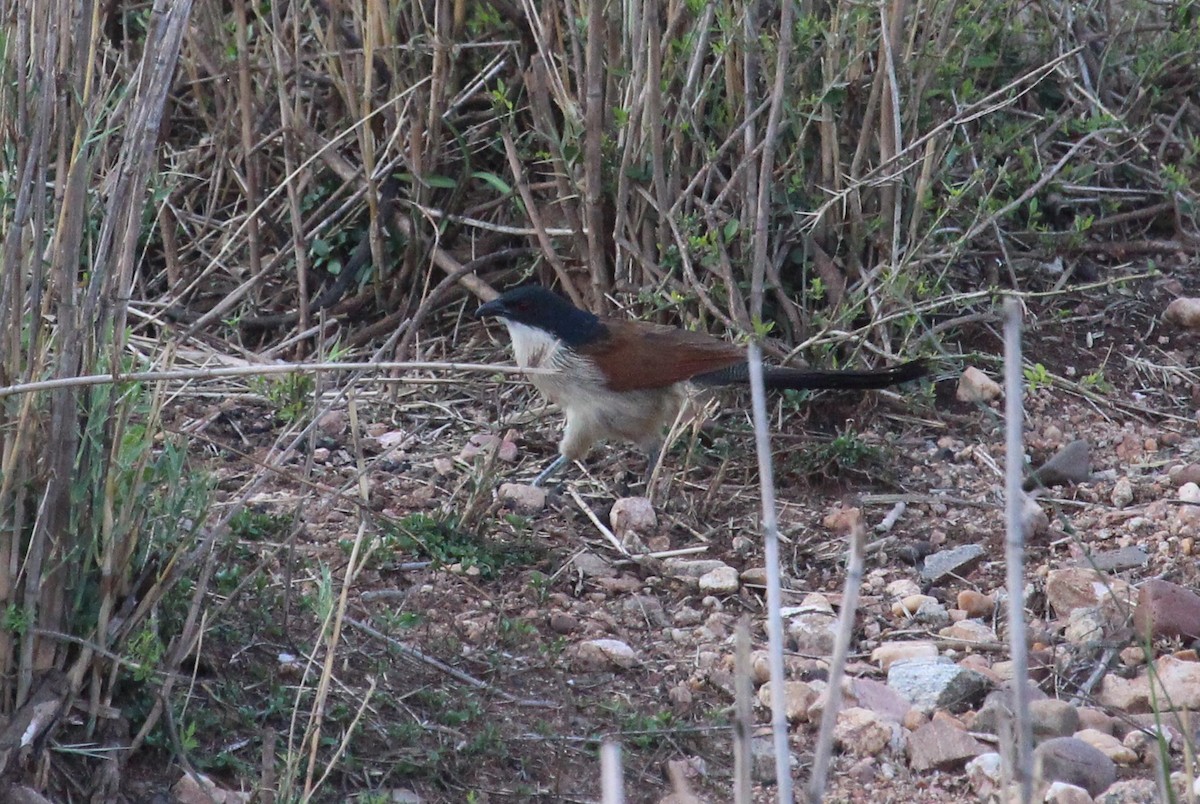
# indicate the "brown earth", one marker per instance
pixel 506 598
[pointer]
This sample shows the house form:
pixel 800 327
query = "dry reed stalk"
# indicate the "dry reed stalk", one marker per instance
pixel 743 724
pixel 766 172
pixel 766 480
pixel 1014 545
pixel 823 752
pixel 594 126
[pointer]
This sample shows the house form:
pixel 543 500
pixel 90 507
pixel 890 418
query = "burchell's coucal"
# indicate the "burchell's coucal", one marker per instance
pixel 620 379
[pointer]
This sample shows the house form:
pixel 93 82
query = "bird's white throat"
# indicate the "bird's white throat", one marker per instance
pixel 532 346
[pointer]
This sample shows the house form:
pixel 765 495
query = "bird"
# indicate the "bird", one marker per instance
pixel 624 380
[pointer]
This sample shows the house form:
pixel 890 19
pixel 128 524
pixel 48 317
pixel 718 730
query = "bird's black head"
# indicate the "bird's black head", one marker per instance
pixel 535 306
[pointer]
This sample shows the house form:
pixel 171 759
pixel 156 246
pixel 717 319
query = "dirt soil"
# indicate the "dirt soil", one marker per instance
pixel 458 671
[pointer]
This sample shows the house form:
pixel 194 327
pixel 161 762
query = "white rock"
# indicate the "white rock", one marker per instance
pixel 1184 312
pixel 523 498
pixel 1063 793
pixel 601 654
pixel 984 774
pixel 975 386
pixel 719 581
pixel 632 514
pixel 863 733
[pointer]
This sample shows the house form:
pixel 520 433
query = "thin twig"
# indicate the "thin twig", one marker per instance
pixel 254 371
pixel 837 668
pixel 1014 552
pixel 766 480
pixel 459 675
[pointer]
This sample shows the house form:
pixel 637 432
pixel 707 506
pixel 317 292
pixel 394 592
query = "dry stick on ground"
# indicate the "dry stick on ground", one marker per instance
pixel 837 669
pixel 1014 548
pixel 766 479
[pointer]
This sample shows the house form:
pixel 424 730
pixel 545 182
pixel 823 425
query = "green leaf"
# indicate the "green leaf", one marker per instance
pixel 497 183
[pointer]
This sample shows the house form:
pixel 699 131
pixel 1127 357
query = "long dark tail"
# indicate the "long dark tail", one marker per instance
pixel 812 379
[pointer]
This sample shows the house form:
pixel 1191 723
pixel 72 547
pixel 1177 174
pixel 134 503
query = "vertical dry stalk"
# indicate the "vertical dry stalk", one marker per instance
pixel 87 523
pixel 766 171
pixel 612 782
pixel 749 75
pixel 1014 545
pixel 743 724
pixel 246 116
pixel 823 752
pixel 766 481
pixel 594 120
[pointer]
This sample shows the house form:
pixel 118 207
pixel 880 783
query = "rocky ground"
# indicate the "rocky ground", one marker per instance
pixel 498 634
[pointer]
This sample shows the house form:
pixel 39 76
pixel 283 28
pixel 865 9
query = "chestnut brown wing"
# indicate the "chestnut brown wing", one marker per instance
pixel 634 355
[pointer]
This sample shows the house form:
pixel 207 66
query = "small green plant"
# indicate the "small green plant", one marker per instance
pixel 1097 381
pixel 642 730
pixel 146 650
pixel 254 525
pixel 847 452
pixel 1037 377
pixel 445 544
pixel 539 584
pixel 514 632
pixel 290 394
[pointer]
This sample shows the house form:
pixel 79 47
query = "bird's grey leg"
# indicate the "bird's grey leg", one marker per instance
pixel 653 454
pixel 550 470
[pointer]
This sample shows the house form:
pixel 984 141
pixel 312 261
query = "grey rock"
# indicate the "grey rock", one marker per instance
pixel 647 608
pixel 1066 759
pixel 632 515
pixel 997 707
pixel 937 684
pixel 1063 793
pixel 1130 791
pixel 762 759
pixel 720 581
pixel 606 654
pixel 590 565
pixel 813 633
pixel 694 568
pixel 957 561
pixel 1071 464
pixel 985 775
pixel 1116 560
pixel 861 732
pixel 1082 587
pixel 879 698
pixel 1051 718
pixel 1122 494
